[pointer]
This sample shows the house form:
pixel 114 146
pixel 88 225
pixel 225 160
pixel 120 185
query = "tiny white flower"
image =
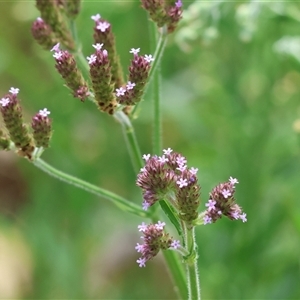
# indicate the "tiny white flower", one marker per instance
pixel 207 220
pixel 243 217
pixel 102 26
pixel 181 168
pixel 167 151
pixel 175 244
pixel 91 59
pixel 182 182
pixel 4 102
pixel 146 157
pixel 98 46
pixel 130 85
pixel 193 171
pixel 160 225
pixel 134 51
pixel 55 48
pixel 120 92
pixel 163 159
pixel 226 193
pixel 14 91
pixel 96 17
pixel 44 112
pixel 142 227
pixel 149 58
pixel 58 55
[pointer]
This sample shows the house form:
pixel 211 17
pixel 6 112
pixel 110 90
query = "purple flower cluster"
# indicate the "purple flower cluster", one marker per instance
pixel 43 34
pixel 19 134
pixel 155 239
pixel 41 125
pixel 222 202
pixel 132 92
pixel 100 71
pixel 103 35
pixel 167 177
pixel 67 68
pixel 164 12
pixel 52 26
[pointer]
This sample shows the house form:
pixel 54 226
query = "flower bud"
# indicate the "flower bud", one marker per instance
pixel 72 8
pixel 103 35
pixel 43 34
pixel 13 120
pixel 164 12
pixel 41 126
pixel 51 13
pixel 138 76
pixel 67 68
pixel 100 72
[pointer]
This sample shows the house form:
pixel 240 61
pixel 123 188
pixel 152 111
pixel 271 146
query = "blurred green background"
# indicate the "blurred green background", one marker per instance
pixel 230 91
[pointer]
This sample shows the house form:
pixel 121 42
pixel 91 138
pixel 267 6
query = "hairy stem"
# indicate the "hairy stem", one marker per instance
pixel 120 202
pixel 191 262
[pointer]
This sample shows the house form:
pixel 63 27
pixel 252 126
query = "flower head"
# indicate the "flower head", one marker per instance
pixel 155 239
pixel 11 111
pixel 163 178
pixel 222 202
pixel 42 128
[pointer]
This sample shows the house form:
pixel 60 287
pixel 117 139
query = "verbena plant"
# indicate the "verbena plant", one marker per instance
pixel 168 185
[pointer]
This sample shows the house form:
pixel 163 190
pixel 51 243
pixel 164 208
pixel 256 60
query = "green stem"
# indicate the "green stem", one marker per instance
pixel 120 202
pixel 176 272
pixel 193 280
pixel 175 268
pixel 131 141
pixel 73 30
pixel 157 128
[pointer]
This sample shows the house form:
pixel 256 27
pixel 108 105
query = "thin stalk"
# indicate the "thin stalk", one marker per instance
pixel 175 267
pixel 73 30
pixel 157 127
pixel 131 141
pixel 176 271
pixel 191 261
pixel 119 201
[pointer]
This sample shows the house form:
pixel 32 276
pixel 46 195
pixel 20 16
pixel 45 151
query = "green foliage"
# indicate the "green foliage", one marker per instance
pixel 230 105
